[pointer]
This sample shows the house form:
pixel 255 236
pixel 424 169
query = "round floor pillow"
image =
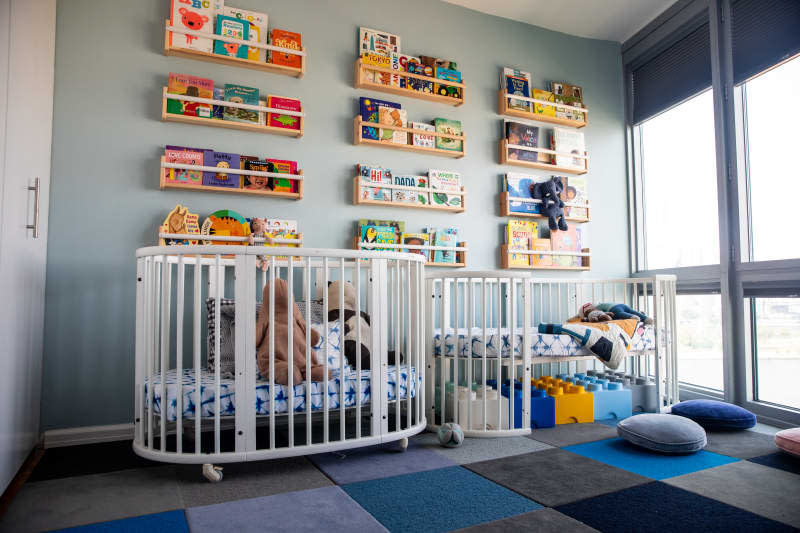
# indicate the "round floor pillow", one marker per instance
pixel 663 433
pixel 712 414
pixel 788 440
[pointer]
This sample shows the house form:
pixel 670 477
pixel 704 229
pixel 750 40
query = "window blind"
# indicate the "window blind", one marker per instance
pixel 764 33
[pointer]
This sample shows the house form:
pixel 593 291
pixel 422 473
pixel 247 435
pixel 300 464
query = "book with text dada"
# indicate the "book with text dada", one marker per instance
pixel 276 120
pixel 240 94
pixel 370 112
pixel 369 177
pixel 520 134
pixel 417 239
pixel 445 182
pixel 519 236
pixel 406 196
pixel 257 32
pixel 517 83
pixel 289 40
pixel 236 29
pixel 183 156
pixel 189 86
pixel 222 161
pixel 193 16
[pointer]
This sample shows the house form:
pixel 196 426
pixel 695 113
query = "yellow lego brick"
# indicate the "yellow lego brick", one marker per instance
pixel 572 403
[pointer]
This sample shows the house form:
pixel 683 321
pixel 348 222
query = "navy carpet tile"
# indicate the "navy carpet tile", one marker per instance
pixel 666 509
pixel 781 460
pixel 88 459
pixel 169 522
pixel 437 500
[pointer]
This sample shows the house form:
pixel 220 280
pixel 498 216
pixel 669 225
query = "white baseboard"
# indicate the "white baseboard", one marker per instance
pixel 55 438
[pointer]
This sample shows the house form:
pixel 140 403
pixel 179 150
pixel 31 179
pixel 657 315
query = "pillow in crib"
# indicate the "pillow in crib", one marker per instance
pixel 663 433
pixel 713 414
pixel 788 440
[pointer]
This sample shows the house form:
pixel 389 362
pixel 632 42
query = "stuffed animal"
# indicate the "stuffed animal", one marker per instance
pixel 549 192
pixel 590 313
pixel 350 322
pixel 258 228
pixel 280 328
pixel 621 311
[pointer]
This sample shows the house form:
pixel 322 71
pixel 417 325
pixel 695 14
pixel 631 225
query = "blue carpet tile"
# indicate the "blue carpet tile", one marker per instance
pixel 437 500
pixel 169 522
pixel 781 460
pixel 660 507
pixel 617 452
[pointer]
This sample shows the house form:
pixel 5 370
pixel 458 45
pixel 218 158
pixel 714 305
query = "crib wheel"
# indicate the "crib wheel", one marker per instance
pixel 212 473
pixel 403 443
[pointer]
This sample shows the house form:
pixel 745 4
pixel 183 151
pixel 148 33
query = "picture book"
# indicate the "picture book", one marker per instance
pixel 415 84
pixel 183 156
pixel 256 183
pixel 417 239
pixel 179 220
pixel 221 160
pixel 520 134
pixel 541 260
pixel 194 16
pixel 262 115
pixel 393 117
pixel 517 82
pixel 449 127
pixel 448 75
pixel 257 32
pixel 447 237
pixel 403 196
pixel 240 94
pixel 380 235
pixel 436 62
pixel 236 29
pixel 519 236
pixel 378 43
pixel 285 39
pixel 397 226
pixel 421 139
pixel 519 186
pixel 189 86
pixel 282 166
pixel 403 61
pixel 569 141
pixel 566 241
pixel 276 120
pixel 369 177
pixel 217 111
pixel 542 109
pixel 375 60
pixel 446 181
pixel 572 95
pixel 576 193
pixel 370 112
pixel 282 228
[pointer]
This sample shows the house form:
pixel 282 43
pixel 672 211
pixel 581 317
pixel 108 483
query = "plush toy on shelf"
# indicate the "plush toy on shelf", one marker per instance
pixel 549 192
pixel 258 228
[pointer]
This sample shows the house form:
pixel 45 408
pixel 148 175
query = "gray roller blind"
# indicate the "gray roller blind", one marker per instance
pixel 764 33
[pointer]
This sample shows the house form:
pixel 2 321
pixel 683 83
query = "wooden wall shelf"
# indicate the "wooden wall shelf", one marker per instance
pixel 232 61
pixel 227 124
pixel 505 211
pixel 461 256
pixel 358 139
pixel 360 82
pixel 357 200
pixel 504 110
pixel 504 160
pixel 586 261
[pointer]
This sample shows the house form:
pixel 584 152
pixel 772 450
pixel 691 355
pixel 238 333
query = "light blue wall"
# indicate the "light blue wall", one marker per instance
pixel 107 138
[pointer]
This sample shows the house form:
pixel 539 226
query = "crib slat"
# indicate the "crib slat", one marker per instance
pixel 456 359
pixel 179 358
pixel 470 359
pixel 325 415
pixel 198 276
pixel 150 353
pixel 165 276
pixel 397 344
pixel 307 272
pixel 290 346
pixel 357 284
pixel 218 292
pixel 410 383
pixel 444 371
pixel 342 377
pixel 483 358
pixel 272 392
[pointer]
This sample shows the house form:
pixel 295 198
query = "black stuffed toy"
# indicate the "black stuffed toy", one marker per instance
pixel 549 192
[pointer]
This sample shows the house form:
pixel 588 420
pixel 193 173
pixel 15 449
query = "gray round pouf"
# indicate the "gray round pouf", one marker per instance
pixel 663 433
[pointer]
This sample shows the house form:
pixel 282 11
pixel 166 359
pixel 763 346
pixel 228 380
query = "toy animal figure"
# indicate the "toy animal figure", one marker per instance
pixel 258 228
pixel 549 192
pixel 590 313
pixel 280 329
pixel 621 311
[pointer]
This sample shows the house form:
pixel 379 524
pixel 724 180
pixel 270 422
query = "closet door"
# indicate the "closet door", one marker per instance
pixel 27 52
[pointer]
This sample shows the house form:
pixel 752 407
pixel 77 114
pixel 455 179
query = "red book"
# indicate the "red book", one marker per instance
pixel 281 166
pixel 290 122
pixel 285 39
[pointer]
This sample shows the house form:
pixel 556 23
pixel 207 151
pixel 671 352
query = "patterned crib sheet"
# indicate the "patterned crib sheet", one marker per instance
pixel 542 344
pixel 227 399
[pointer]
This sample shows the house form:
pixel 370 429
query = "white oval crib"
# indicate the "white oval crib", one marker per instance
pixel 193 301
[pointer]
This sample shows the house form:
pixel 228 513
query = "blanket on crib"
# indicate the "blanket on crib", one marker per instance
pixel 628 325
pixel 610 344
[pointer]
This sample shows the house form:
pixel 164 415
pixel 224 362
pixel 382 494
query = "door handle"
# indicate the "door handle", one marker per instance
pixel 35 225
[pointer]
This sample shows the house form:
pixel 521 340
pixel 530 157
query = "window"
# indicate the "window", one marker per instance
pixel 771 140
pixel 776 337
pixel 678 180
pixel 700 340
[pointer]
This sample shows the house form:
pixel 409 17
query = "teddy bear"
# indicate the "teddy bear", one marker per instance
pixel 549 192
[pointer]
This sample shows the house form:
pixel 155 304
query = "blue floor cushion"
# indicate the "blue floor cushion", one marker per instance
pixel 712 414
pixel 663 433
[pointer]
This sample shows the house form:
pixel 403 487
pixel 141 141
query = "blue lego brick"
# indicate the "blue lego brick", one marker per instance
pixel 542 406
pixel 613 402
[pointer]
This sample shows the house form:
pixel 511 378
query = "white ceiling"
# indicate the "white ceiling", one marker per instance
pixel 611 20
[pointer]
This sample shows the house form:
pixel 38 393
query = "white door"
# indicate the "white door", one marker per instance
pixel 27 53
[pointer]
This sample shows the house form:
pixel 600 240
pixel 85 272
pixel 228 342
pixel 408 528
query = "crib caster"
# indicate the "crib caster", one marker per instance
pixel 212 473
pixel 403 443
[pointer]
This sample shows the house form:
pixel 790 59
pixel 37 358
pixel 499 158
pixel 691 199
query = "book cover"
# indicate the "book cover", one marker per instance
pixel 517 82
pixel 370 112
pixel 566 241
pixel 446 181
pixel 195 16
pixel 380 235
pixel 218 111
pixel 568 141
pixel 447 74
pixel 257 32
pixel 286 39
pixel 571 95
pixel 276 120
pixel 417 239
pixel 382 44
pixel 402 63
pixel 449 127
pixel 521 134
pixel 447 237
pixel 398 226
pixel 262 115
pixel 375 60
pixel 403 196
pixel 236 29
pixel 415 84
pixel 576 192
pixel 240 94
pixel 519 236
pixel 393 117
pixel 542 109
pixel 519 186
pixel 221 160
pixel 282 166
pixel 421 139
pixel 282 229
pixel 189 86
pixel 183 156
pixel 541 260
pixel 256 183
pixel 369 177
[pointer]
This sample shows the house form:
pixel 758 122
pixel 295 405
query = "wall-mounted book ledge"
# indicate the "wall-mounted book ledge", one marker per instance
pixel 505 160
pixel 505 208
pixel 584 255
pixel 171 50
pixel 186 185
pixel 361 196
pixel 460 249
pixel 505 110
pixel 229 239
pixel 230 124
pixel 358 138
pixel 361 82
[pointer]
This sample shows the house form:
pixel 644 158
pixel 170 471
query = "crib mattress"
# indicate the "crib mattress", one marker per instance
pixel 470 343
pixel 227 400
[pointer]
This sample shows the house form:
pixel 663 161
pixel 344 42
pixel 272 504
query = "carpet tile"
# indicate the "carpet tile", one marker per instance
pixel 474 450
pixel 780 460
pixel 542 521
pixel 88 459
pixel 568 434
pixel 168 522
pixel 740 444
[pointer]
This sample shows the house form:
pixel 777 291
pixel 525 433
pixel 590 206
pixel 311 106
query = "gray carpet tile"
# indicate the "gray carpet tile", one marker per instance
pixel 248 480
pixel 475 450
pixel 313 511
pixel 740 444
pixel 756 488
pixel 78 500
pixel 555 477
pixel 541 521
pixel 569 434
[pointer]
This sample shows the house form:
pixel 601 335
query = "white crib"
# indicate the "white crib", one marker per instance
pixel 482 330
pixel 187 413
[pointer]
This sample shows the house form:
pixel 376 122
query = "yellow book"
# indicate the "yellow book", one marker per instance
pixel 542 259
pixel 541 109
pixel 519 237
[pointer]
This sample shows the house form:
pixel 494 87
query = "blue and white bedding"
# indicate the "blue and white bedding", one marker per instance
pixel 470 343
pixel 280 395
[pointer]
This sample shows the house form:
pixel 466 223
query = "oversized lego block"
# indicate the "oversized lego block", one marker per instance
pixel 612 402
pixel 572 402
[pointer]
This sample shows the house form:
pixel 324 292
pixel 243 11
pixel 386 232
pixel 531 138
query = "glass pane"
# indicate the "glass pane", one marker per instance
pixel 776 350
pixel 679 185
pixel 700 340
pixel 772 140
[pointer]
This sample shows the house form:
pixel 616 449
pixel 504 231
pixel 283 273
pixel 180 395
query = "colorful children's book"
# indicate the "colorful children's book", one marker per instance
pixel 422 139
pixel 398 227
pixel 189 86
pixel 393 117
pixel 566 241
pixel 541 260
pixel 183 156
pixel 218 111
pixel 236 29
pixel 282 166
pixel 569 141
pixel 370 112
pixel 375 60
pixel 403 196
pixel 447 237
pixel 221 160
pixel 576 192
pixel 517 82
pixel 520 134
pixel 403 61
pixel 542 109
pixel 282 229
pixel 417 239
pixel 286 39
pixel 380 234
pixel 416 84
pixel 257 32
pixel 376 43
pixel 179 220
pixel 519 186
pixel 240 94
pixel 194 16
pixel 256 183
pixel 369 177
pixel 445 181
pixel 571 95
pixel 519 236
pixel 276 120
pixel 448 75
pixel 449 127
